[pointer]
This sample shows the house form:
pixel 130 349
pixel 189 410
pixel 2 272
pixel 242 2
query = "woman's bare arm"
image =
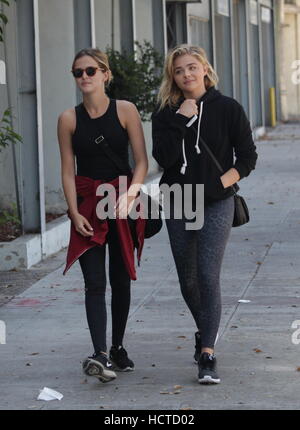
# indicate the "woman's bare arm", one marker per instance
pixel 130 119
pixel 65 129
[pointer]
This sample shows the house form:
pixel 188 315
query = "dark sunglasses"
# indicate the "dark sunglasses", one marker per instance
pixel 90 71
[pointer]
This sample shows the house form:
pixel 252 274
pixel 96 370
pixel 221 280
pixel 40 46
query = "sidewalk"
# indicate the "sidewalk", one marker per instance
pixel 47 335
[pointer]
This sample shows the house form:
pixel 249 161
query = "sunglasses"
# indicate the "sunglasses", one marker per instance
pixel 90 71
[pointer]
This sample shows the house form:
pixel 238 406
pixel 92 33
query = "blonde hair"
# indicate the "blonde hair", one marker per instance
pixel 169 93
pixel 100 57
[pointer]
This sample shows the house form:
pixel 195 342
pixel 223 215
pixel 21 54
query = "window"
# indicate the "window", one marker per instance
pixel 176 23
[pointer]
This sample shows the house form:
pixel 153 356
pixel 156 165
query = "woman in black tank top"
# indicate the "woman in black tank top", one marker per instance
pixel 83 158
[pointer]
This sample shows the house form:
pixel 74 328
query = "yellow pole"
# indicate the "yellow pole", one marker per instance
pixel 273 107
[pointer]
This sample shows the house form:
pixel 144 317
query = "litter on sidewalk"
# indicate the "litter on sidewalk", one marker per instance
pixel 48 394
pixel 244 301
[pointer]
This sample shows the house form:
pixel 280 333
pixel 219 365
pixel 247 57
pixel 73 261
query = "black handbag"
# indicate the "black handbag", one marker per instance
pixel 241 211
pixel 154 219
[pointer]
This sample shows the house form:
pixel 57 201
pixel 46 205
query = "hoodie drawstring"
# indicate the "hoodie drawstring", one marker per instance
pixel 184 165
pixel 198 132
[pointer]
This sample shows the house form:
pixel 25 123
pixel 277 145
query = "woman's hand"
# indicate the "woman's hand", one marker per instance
pixel 188 108
pixel 82 225
pixel 230 177
pixel 124 205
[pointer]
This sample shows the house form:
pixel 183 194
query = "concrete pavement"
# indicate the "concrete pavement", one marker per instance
pixel 47 335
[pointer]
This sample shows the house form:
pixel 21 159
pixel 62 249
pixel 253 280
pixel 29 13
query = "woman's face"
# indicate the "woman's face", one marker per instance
pixel 88 84
pixel 189 74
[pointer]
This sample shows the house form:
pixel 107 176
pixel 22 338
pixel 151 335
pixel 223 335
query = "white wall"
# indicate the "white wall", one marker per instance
pixel 291 35
pixel 56 24
pixel 143 22
pixel 103 21
pixel 144 31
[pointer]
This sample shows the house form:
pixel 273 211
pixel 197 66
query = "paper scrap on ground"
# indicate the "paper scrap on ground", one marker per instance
pixel 244 301
pixel 49 394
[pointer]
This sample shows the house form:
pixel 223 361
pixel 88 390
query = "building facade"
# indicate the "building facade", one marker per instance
pixel 41 38
pixel 290 60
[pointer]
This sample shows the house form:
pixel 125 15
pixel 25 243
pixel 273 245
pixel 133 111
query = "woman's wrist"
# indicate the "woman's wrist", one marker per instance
pixel 73 212
pixel 133 191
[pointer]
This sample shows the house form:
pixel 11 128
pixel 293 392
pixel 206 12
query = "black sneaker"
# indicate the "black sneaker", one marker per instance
pixel 120 360
pixel 99 366
pixel 197 347
pixel 208 369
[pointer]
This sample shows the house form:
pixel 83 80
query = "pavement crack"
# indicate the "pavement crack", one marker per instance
pixel 152 293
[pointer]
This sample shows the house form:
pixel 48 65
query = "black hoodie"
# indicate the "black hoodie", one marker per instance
pixel 225 129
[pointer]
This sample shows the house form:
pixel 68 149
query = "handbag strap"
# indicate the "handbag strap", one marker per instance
pixel 125 169
pixel 235 187
pixel 211 155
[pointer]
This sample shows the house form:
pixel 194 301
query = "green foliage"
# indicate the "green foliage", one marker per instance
pixel 10 216
pixel 3 19
pixel 136 77
pixel 7 134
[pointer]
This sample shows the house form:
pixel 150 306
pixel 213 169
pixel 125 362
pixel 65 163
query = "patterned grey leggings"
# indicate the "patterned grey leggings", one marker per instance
pixel 198 256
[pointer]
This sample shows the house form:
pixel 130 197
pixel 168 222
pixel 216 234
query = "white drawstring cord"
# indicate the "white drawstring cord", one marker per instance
pixel 198 132
pixel 184 166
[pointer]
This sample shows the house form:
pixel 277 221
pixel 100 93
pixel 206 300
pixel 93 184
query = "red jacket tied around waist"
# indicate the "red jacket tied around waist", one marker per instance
pixel 86 188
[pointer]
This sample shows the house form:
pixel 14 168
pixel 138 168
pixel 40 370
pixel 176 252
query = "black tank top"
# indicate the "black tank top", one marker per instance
pixel 91 160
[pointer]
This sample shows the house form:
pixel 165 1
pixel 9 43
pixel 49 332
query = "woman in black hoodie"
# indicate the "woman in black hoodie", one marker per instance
pixel 189 108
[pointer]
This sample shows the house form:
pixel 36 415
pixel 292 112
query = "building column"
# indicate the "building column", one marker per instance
pixel 32 170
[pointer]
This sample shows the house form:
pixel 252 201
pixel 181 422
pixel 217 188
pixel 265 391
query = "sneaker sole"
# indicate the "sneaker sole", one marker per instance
pixel 94 368
pixel 208 380
pixel 118 369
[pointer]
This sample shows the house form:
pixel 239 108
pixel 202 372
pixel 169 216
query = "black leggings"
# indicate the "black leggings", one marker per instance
pixel 198 256
pixel 92 264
